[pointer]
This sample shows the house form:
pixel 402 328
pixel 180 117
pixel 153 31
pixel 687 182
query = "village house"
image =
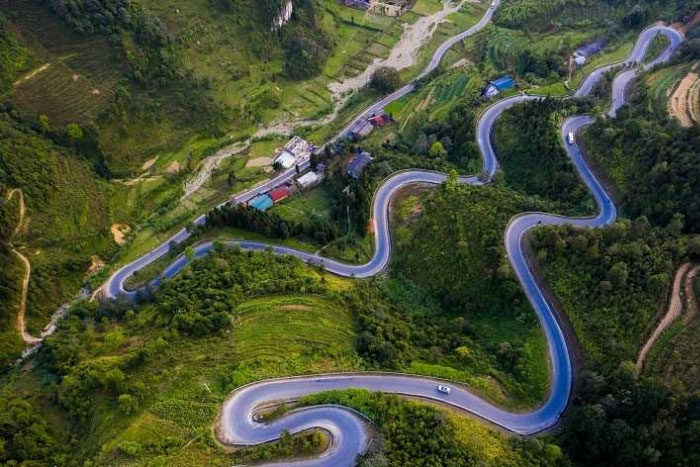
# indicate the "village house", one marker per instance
pixel 296 151
pixel 496 86
pixel 308 180
pixel 358 164
pixel 585 52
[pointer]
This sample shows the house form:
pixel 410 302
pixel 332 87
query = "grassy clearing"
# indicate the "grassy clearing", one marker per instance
pixel 283 336
pixel 427 7
pixel 304 204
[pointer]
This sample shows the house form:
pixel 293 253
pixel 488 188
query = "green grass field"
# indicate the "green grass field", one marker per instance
pixel 304 204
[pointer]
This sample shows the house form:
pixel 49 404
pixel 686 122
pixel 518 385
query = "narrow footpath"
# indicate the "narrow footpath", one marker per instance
pixel 682 301
pixel 21 325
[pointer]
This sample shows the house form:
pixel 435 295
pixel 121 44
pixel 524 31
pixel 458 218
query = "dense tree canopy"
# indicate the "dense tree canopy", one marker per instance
pixel 532 156
pixel 654 164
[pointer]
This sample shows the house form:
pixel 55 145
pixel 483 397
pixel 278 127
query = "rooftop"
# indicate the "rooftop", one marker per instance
pixel 261 202
pixel 279 193
pixel 358 164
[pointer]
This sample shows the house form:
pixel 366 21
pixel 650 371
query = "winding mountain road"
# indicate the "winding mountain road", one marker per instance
pixel 236 425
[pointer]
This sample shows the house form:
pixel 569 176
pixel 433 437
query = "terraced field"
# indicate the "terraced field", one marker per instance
pixel 77 74
pixel 662 84
pixel 297 324
pixel 437 98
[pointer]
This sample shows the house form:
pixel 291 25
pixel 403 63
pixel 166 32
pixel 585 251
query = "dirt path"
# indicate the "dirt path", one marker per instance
pixel 675 308
pixel 403 55
pixel 21 325
pixel 691 300
pixel 31 74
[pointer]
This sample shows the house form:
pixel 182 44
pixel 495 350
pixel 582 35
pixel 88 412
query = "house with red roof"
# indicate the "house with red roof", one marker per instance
pixel 279 193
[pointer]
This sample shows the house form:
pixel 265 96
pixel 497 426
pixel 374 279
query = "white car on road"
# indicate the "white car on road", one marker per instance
pixel 444 389
pixel 570 137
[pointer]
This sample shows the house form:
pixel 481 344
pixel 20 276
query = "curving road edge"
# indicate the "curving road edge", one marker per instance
pixel 236 425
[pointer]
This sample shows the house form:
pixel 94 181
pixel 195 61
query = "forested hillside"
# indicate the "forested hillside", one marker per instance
pixel 614 284
pixel 10 276
pixel 69 209
pixel 534 14
pixel 533 159
pixel 654 164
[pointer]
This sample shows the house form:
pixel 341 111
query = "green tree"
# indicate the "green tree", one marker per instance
pixel 385 79
pixel 127 404
pixel 189 253
pixel 44 122
pixel 437 151
pixel 75 133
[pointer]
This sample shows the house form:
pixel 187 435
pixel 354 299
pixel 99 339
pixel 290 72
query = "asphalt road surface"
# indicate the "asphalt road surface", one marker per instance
pixel 349 435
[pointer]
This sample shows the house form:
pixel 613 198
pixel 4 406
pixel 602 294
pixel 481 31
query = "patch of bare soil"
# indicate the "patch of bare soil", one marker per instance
pixel 119 232
pixel 96 263
pixel 259 162
pixel 149 163
pixel 173 168
pixel 32 74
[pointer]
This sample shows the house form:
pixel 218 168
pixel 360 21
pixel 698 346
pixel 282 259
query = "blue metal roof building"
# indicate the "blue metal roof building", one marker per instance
pixel 261 202
pixel 505 82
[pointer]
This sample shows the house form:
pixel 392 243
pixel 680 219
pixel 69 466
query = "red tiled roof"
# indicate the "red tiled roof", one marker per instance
pixel 278 194
pixel 380 120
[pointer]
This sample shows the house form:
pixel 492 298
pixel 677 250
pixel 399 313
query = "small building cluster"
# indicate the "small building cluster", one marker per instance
pixel 495 87
pixel 265 201
pixel 382 7
pixel 296 151
pixel 585 52
pixel 364 126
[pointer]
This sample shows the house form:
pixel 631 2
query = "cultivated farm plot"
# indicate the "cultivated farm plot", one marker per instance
pixel 436 99
pixel 662 85
pixel 684 101
pixel 77 73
